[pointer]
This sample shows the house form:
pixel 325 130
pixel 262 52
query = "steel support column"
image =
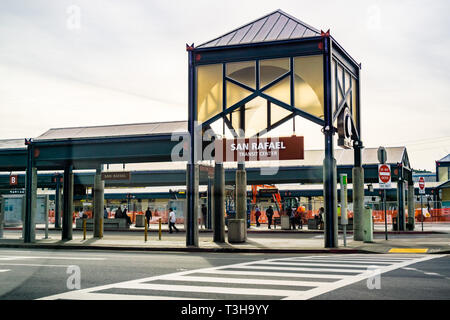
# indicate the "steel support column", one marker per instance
pixel 58 201
pixel 219 203
pixel 411 205
pixel 67 222
pixel 30 197
pixel 358 193
pixel 401 203
pixel 99 202
pixel 209 204
pixel 192 168
pixel 329 163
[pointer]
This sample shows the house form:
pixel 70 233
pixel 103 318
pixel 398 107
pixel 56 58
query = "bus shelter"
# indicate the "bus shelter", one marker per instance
pixel 261 75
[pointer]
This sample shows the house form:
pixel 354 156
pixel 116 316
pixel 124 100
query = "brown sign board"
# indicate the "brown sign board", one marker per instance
pixel 258 149
pixel 116 175
pixel 13 180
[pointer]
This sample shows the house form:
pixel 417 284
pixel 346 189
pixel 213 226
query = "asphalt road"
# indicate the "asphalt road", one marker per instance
pixel 47 274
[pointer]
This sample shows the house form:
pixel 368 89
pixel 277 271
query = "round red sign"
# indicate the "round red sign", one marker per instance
pixel 384 173
pixel 421 183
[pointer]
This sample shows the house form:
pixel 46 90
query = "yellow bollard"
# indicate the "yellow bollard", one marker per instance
pixel 159 228
pixel 84 229
pixel 146 229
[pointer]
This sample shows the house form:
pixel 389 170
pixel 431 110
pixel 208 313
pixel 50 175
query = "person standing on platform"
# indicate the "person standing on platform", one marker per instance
pixel 148 216
pixel 257 215
pixel 269 214
pixel 204 213
pixel 172 220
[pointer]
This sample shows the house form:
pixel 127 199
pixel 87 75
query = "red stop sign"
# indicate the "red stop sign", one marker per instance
pixel 421 183
pixel 384 173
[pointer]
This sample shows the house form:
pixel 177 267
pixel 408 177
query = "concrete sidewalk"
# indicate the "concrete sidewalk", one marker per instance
pixel 280 241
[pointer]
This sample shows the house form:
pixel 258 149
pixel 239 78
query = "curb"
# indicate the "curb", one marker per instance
pixel 187 249
pixel 249 231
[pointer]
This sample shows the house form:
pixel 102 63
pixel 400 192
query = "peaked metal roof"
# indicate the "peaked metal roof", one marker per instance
pixel 445 159
pixel 275 26
pixel 12 144
pixel 121 130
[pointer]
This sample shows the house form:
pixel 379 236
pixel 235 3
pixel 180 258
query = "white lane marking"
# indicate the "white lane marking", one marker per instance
pixel 350 280
pixel 50 258
pixel 206 289
pixel 280 268
pixel 33 265
pixel 338 262
pixel 5 270
pixel 278 274
pixel 306 264
pixel 246 281
pixel 74 295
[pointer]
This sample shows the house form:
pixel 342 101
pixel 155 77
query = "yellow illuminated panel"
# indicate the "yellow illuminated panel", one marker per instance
pixel 281 91
pixel 255 116
pixel 277 113
pixel 272 69
pixel 243 72
pixel 235 94
pixel 209 91
pixel 308 85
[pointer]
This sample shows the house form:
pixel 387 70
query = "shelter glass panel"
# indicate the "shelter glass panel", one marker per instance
pixel 354 100
pixel 281 91
pixel 308 84
pixel 243 72
pixel 340 84
pixel 277 113
pixel 255 116
pixel 272 69
pixel 443 174
pixel 235 94
pixel 333 89
pixel 209 91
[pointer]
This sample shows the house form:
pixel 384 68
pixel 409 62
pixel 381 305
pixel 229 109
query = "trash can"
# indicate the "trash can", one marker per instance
pixel 140 220
pixel 236 230
pixel 285 223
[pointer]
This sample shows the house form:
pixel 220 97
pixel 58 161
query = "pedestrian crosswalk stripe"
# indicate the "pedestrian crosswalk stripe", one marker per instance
pixel 341 265
pixel 278 274
pixel 337 263
pixel 248 281
pixel 207 289
pixel 294 282
pixel 279 268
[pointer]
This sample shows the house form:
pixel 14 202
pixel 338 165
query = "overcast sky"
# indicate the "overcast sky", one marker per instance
pixel 81 63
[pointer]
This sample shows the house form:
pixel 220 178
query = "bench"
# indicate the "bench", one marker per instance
pixel 108 224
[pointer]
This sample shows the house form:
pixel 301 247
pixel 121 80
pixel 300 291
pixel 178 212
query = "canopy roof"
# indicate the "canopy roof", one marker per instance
pixel 121 130
pixel 275 26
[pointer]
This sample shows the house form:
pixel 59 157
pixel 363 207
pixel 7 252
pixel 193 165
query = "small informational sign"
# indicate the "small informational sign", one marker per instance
pixel 384 176
pixel 258 149
pixel 421 185
pixel 122 175
pixel 13 180
pixel 343 181
pixel 268 191
pixel 208 169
